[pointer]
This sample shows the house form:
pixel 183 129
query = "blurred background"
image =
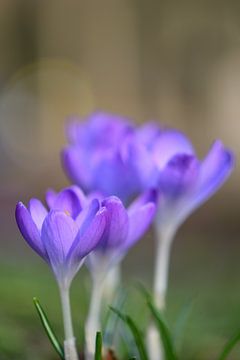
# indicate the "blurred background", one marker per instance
pixel 170 61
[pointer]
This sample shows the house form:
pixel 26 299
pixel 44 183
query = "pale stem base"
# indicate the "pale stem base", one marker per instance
pixel 93 320
pixel 164 241
pixel 70 351
pixel 111 283
pixel 153 343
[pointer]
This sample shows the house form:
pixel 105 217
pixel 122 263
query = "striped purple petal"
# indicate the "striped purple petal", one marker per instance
pixel 29 230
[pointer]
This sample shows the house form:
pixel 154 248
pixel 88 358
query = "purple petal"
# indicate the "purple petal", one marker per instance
pixel 70 201
pixel 151 195
pixel 58 233
pixel 29 230
pixel 215 169
pixel 107 130
pixel 94 195
pixel 169 144
pixel 38 212
pixel 76 164
pixel 117 224
pixel 148 133
pixel 51 196
pixel 86 216
pixel 113 177
pixel 85 242
pixel 179 176
pixel 99 130
pixel 144 172
pixel 139 222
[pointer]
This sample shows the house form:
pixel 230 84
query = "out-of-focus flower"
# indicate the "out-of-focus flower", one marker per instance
pixel 109 154
pixel 64 235
pixel 183 181
pixel 97 157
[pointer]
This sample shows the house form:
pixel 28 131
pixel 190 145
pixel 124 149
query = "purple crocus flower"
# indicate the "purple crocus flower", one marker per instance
pixel 166 160
pixel 124 228
pixel 97 157
pixel 64 235
pixel 183 181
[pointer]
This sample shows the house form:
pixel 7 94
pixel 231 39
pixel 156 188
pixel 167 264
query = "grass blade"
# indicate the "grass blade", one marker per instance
pixel 229 346
pixel 163 332
pixel 47 327
pixel 180 325
pixel 135 332
pixel 98 347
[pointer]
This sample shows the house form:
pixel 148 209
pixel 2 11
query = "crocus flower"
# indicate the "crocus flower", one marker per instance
pixel 183 183
pixel 182 180
pixel 97 156
pixel 63 236
pixel 124 228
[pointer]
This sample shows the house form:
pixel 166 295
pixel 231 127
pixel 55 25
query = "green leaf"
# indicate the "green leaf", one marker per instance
pixel 135 332
pixel 229 346
pixel 47 327
pixel 181 322
pixel 146 294
pixel 98 347
pixel 164 333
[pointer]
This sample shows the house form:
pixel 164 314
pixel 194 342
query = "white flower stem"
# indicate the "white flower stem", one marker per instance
pixel 164 239
pixel 93 320
pixel 111 283
pixel 70 350
pixel 164 242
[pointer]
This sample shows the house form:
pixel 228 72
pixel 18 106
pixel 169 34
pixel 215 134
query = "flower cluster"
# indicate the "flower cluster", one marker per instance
pixel 75 225
pixel 130 175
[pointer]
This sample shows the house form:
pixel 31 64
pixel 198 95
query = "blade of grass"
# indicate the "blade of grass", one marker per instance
pixel 141 288
pixel 98 347
pixel 181 322
pixel 229 346
pixel 164 333
pixel 135 332
pixel 48 329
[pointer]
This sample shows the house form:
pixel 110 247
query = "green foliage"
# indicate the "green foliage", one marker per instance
pixel 21 337
pixel 164 333
pixel 135 332
pixel 47 327
pixel 229 346
pixel 98 347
